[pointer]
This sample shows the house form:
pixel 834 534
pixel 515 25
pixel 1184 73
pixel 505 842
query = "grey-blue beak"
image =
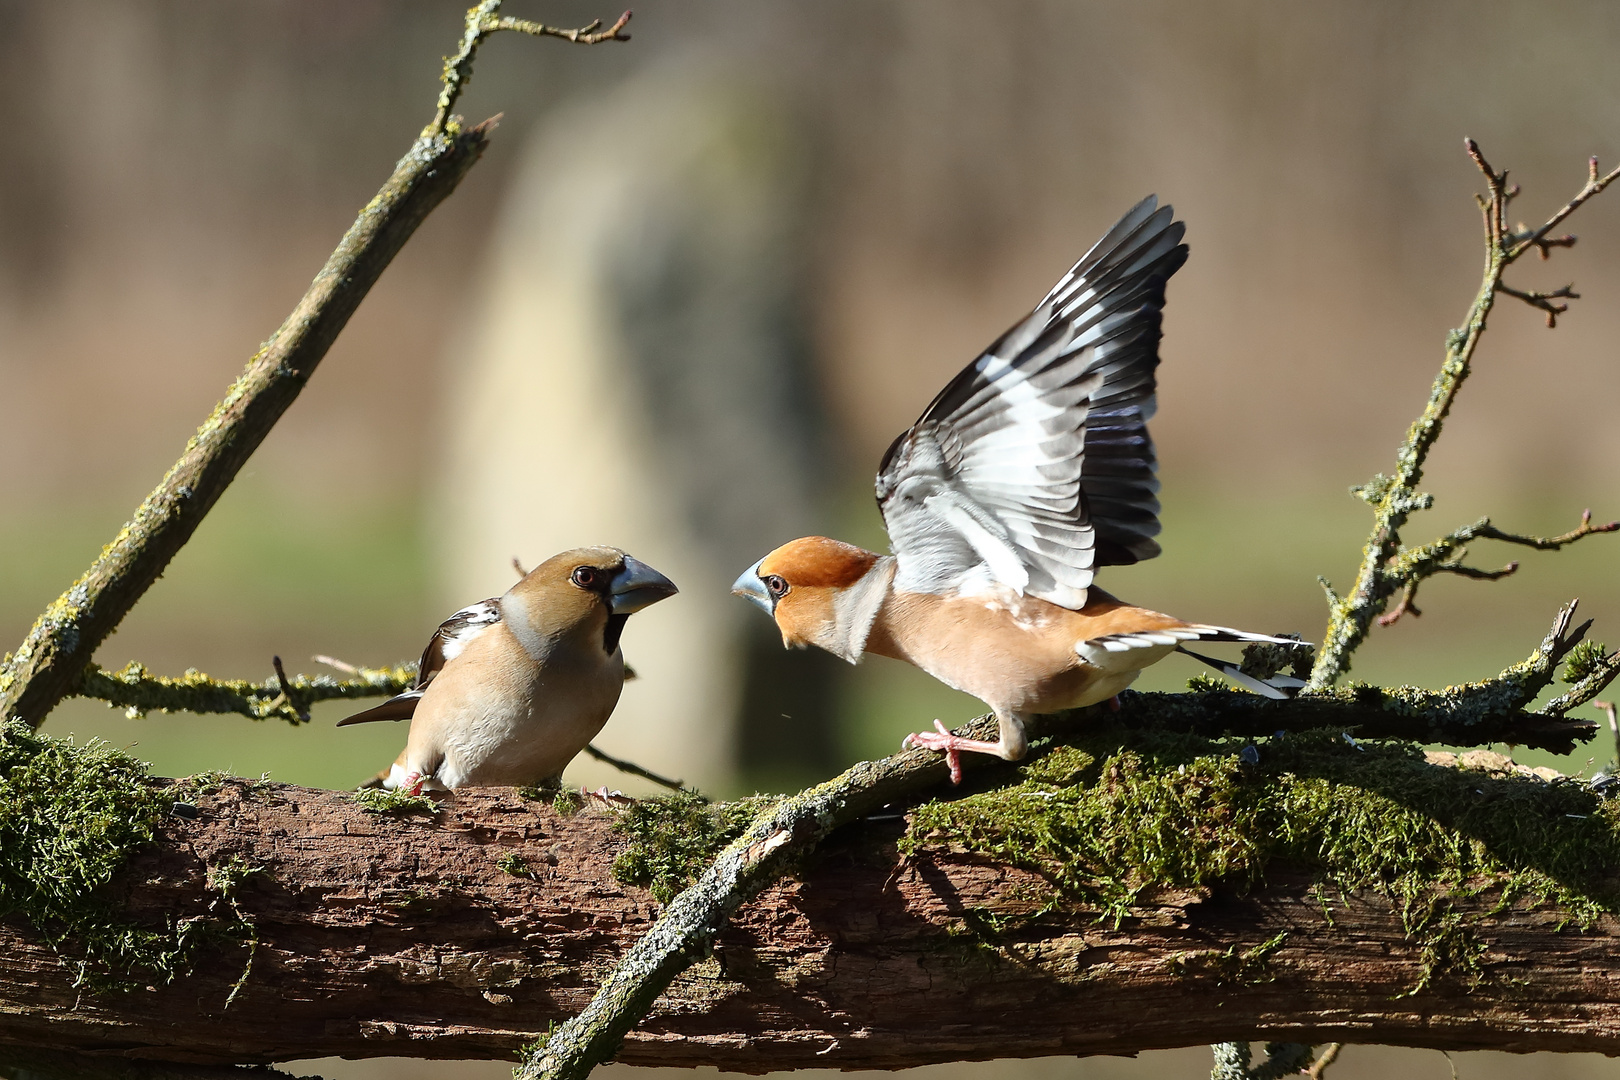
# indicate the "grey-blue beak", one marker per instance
pixel 750 587
pixel 636 585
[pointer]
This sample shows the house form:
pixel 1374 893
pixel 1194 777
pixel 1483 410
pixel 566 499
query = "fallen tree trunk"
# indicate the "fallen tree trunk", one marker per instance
pixel 462 934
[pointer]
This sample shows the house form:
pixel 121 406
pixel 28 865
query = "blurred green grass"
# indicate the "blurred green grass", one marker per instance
pixel 271 572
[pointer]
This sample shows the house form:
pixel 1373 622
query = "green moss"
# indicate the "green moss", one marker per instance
pixel 1584 659
pixel 515 864
pixel 674 838
pixel 534 1047
pixel 1121 816
pixel 566 801
pixel 1232 965
pixel 384 801
pixel 227 876
pixel 70 817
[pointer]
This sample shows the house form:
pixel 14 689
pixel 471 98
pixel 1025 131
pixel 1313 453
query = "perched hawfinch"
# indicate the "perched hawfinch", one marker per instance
pixel 1028 472
pixel 509 690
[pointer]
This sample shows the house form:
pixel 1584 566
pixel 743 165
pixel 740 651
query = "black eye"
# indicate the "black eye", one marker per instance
pixel 585 576
pixel 777 585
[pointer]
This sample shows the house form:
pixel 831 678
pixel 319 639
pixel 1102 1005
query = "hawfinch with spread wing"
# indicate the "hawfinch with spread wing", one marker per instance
pixel 1028 472
pixel 510 689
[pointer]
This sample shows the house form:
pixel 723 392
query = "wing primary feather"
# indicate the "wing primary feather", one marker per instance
pixel 1033 466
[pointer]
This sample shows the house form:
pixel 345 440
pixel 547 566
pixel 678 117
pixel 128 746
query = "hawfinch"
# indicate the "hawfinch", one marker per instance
pixel 1028 472
pixel 509 690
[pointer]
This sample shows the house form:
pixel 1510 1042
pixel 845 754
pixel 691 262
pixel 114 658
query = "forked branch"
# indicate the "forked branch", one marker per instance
pixel 1389 570
pixel 484 19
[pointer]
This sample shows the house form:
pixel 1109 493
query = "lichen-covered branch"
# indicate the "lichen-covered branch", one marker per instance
pixel 64 639
pixel 1232 1061
pixel 1445 555
pixel 277 698
pixel 1388 568
pixel 1470 714
pixel 1119 891
pixel 484 19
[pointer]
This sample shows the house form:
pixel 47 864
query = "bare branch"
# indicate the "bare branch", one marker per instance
pixel 484 19
pixel 1406 606
pixel 633 769
pixel 1544 300
pixel 1538 239
pixel 590 34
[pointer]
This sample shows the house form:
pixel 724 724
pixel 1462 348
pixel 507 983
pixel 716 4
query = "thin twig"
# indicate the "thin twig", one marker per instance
pixel 280 697
pixel 1614 725
pixel 291 697
pixel 1543 301
pixel 1538 239
pixel 633 769
pixel 484 19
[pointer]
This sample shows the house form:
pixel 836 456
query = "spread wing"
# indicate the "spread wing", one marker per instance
pixel 445 645
pixel 1033 466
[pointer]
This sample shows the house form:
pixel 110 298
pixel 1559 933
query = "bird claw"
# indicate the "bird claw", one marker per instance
pixel 943 741
pixel 608 798
pixel 412 784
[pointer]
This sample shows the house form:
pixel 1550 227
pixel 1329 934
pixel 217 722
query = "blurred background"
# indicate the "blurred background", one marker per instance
pixel 699 282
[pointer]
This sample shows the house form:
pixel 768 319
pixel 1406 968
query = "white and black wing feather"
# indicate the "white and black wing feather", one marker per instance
pixel 1033 466
pixel 445 645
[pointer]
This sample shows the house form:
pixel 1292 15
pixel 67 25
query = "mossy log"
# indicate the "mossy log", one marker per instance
pixel 950 933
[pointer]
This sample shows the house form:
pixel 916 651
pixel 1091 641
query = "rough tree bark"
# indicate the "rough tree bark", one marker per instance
pixel 383 935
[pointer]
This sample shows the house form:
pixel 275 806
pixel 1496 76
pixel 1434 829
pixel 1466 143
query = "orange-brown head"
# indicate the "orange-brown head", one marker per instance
pixel 814 589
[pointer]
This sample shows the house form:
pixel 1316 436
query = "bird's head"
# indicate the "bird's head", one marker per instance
pixel 807 585
pixel 589 590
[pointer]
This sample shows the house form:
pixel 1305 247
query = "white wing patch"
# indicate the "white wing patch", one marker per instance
pixel 1005 476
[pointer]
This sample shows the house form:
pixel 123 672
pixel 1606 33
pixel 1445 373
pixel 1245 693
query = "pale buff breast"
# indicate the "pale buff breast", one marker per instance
pixel 1016 654
pixel 493 717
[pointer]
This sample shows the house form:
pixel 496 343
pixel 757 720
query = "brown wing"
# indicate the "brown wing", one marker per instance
pixel 445 645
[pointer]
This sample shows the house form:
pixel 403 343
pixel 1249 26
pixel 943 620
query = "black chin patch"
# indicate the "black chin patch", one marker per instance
pixel 610 634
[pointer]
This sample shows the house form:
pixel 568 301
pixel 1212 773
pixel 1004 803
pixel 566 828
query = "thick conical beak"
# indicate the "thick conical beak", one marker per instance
pixel 750 587
pixel 637 585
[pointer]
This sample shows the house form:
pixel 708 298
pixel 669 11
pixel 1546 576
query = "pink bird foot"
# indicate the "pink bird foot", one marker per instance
pixel 951 745
pixel 412 784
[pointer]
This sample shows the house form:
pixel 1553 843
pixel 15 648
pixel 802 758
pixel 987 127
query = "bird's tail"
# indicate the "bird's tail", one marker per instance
pixel 1277 686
